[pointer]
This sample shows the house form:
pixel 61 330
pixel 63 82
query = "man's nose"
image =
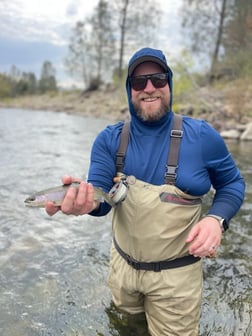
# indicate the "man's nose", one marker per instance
pixel 149 86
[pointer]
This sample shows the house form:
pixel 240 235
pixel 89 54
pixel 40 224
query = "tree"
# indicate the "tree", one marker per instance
pixel 17 83
pixel 219 35
pixel 92 47
pixel 204 21
pixel 79 59
pixel 47 80
pixel 217 28
pixel 32 82
pixel 239 27
pixel 136 23
pixel 5 86
pixel 102 38
pixel 238 38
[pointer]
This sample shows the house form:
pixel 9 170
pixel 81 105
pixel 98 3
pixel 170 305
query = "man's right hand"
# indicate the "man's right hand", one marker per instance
pixel 76 201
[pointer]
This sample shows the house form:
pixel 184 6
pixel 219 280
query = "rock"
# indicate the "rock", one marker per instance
pixel 247 134
pixel 241 127
pixel 230 134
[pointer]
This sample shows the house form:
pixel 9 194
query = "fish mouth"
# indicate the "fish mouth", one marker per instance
pixel 30 199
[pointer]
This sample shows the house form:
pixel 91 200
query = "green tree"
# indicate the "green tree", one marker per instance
pixel 103 39
pixel 5 86
pixel 18 83
pixel 238 38
pixel 47 80
pixel 27 84
pixel 219 30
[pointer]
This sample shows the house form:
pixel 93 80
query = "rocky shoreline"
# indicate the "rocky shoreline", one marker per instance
pixel 111 104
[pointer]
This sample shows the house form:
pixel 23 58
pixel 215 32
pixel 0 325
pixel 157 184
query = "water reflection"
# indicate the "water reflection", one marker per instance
pixel 53 270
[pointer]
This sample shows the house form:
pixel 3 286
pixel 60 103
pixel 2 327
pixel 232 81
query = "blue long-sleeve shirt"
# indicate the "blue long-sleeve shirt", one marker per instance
pixel 204 160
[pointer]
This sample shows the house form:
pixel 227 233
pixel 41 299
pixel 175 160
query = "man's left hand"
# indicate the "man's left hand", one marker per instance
pixel 205 237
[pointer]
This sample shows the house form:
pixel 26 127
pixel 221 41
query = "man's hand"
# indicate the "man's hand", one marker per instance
pixel 205 237
pixel 76 201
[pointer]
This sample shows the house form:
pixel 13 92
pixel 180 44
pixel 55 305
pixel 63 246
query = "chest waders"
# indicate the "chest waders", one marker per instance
pixel 151 225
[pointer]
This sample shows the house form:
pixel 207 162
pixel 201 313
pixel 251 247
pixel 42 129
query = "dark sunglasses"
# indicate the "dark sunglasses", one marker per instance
pixel 159 80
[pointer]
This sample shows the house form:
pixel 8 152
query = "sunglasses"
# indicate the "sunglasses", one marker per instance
pixel 159 80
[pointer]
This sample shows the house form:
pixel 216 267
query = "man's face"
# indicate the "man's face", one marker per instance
pixel 150 103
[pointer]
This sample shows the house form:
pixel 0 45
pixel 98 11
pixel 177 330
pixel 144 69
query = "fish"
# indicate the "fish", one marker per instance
pixel 57 194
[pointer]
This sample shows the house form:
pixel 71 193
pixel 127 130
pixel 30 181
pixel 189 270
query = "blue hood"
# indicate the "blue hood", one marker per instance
pixel 141 56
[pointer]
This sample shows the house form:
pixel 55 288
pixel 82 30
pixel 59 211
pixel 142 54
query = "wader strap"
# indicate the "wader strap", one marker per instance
pixel 172 162
pixel 156 266
pixel 120 155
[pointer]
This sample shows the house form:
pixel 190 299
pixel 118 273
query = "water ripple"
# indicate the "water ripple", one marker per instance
pixel 53 270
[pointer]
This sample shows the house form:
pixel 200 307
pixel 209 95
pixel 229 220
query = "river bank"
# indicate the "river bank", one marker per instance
pixel 228 109
pixel 108 104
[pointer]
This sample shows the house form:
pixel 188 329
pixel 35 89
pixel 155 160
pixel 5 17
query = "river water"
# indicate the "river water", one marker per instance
pixel 53 269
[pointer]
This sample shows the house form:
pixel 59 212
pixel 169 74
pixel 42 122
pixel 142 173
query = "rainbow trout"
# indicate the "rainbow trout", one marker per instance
pixel 56 195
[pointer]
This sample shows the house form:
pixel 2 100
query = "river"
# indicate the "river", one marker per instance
pixel 54 269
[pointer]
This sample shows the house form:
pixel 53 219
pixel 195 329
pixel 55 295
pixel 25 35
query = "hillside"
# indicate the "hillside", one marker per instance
pixel 225 106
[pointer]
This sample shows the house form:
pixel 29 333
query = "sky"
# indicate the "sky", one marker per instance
pixel 32 31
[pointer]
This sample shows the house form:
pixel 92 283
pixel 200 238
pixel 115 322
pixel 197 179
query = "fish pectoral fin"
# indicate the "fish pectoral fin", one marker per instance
pixel 102 196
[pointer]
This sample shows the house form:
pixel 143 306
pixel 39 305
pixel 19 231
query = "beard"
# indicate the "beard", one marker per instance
pixel 145 114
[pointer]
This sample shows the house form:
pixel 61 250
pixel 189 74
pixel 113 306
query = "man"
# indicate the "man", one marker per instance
pixel 159 235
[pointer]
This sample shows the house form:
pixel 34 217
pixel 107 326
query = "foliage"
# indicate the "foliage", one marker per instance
pixel 183 80
pixel 136 23
pixel 220 30
pixel 18 83
pixel 101 41
pixel 47 80
pixel 78 58
pixel 14 86
pixel 238 96
pixel 5 86
pixel 238 40
pixel 91 48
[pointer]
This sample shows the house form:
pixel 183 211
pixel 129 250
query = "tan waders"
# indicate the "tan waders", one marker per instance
pixel 151 226
pixel 151 270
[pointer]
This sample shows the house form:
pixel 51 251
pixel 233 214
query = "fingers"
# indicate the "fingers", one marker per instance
pixel 193 234
pixel 84 201
pixel 66 179
pixel 78 201
pixel 51 209
pixel 204 246
pixel 204 238
pixel 212 251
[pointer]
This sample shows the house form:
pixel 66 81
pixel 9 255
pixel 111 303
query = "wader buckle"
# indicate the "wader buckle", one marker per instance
pixel 132 262
pixel 171 172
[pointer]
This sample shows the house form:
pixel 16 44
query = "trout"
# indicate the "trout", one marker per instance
pixel 57 194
